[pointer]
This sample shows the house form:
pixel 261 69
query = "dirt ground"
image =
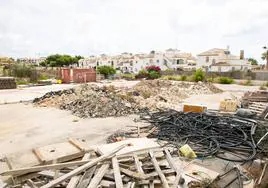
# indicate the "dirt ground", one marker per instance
pixel 23 126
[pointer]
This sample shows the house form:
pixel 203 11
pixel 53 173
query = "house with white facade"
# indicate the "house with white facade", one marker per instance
pixel 31 60
pixel 180 60
pixel 221 60
pixel 129 63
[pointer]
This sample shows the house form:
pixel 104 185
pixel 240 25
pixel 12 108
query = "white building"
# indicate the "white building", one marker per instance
pixel 221 60
pixel 31 61
pixel 129 63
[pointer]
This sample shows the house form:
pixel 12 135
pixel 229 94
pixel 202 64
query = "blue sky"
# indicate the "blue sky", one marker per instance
pixel 92 27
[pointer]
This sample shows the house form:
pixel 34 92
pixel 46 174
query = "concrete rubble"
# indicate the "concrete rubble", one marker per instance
pixel 94 101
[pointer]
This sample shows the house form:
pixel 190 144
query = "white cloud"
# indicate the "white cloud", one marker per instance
pixel 112 26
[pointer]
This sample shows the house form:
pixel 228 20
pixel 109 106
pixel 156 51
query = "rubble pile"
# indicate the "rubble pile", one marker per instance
pixel 155 94
pixel 89 101
pixel 94 101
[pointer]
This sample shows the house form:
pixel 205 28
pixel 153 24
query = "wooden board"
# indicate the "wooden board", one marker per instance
pixel 137 144
pixel 194 108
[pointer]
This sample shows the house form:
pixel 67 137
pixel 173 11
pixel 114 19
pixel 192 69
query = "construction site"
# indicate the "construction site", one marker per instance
pixel 126 134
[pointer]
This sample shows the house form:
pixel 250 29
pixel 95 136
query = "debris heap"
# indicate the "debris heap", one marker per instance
pixel 94 101
pixel 89 101
pixel 154 94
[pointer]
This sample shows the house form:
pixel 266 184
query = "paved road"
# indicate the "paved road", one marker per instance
pixel 28 94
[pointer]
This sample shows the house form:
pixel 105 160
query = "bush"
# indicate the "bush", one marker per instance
pixel 210 79
pixel 128 76
pixel 106 70
pixel 154 75
pixel 142 74
pixel 23 71
pixel 172 77
pixel 183 77
pixel 199 75
pixel 153 68
pixel 225 80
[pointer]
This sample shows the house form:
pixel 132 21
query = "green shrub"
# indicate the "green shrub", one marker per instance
pixel 210 79
pixel 154 75
pixel 142 74
pixel 171 77
pixel 23 71
pixel 183 77
pixel 42 77
pixel 199 75
pixel 225 80
pixel 106 70
pixel 266 84
pixel 128 76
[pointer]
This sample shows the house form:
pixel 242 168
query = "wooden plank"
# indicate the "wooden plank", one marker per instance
pixel 151 184
pixel 158 170
pixel 136 175
pixel 137 163
pixel 98 177
pixel 83 168
pixel 150 131
pixel 86 178
pixel 39 156
pixel 74 180
pixel 76 143
pixel 31 183
pixel 138 166
pixel 173 165
pixel 117 175
pixel 107 184
pixel 21 171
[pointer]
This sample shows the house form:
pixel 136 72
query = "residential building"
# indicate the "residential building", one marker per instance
pixel 31 61
pixel 221 60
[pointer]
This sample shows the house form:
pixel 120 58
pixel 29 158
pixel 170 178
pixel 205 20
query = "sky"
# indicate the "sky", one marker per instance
pixel 31 28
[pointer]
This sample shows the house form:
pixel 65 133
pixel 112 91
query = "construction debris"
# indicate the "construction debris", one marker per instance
pixel 89 101
pixel 93 101
pixel 227 137
pixel 257 102
pixel 117 166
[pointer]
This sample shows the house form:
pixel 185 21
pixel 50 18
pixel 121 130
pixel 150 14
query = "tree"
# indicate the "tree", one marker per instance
pixel 264 55
pixel 58 60
pixel 253 61
pixel 106 70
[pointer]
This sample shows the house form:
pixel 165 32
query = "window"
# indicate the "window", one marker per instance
pixel 157 61
pixel 213 61
pixel 207 59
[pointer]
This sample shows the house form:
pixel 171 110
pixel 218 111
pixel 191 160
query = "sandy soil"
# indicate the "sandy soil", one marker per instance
pixel 24 126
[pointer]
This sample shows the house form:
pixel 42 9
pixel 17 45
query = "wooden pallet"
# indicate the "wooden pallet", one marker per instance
pixel 258 107
pixel 141 168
